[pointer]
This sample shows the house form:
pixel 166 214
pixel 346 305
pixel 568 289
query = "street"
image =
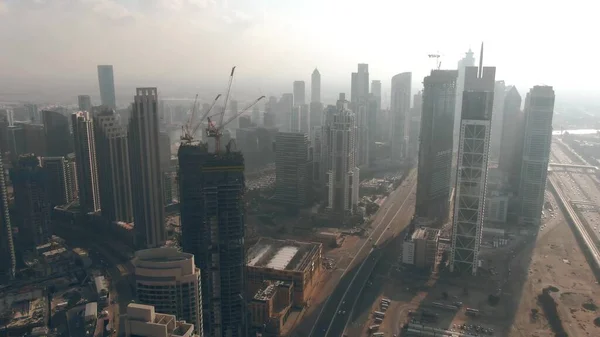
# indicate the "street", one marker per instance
pixel 337 311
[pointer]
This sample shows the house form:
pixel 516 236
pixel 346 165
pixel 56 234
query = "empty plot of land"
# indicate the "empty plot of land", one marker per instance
pixel 559 266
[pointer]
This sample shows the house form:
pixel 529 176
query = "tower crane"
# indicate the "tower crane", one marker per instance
pixel 188 136
pixel 438 63
pixel 185 128
pixel 216 130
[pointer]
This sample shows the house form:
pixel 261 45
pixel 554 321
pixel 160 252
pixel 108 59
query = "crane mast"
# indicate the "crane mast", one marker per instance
pixel 216 131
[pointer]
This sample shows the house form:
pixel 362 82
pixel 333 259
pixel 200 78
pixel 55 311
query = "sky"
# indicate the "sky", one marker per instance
pixel 190 45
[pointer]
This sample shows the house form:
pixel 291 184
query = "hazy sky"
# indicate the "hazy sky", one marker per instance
pixel 58 43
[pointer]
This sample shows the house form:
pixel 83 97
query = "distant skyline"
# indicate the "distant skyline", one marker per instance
pixel 52 47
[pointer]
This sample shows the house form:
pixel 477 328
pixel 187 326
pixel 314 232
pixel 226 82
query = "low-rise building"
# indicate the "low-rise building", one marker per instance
pixel 91 312
pixel 420 248
pixel 24 309
pixel 298 263
pixel 142 321
pixel 270 308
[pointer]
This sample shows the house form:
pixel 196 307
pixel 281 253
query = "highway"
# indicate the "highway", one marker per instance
pixel 580 194
pixel 337 310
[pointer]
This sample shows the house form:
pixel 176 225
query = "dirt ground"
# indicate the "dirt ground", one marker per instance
pixel 558 262
pixel 549 259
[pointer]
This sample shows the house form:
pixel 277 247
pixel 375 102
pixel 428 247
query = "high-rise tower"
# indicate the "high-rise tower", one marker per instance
pixel 435 148
pixel 511 148
pixel 299 93
pixel 211 188
pixel 84 102
pixel 472 167
pixel 315 86
pixel 113 167
pixel 291 160
pixel 57 134
pixel 497 120
pixel 338 165
pixel 399 110
pixel 539 111
pixel 31 203
pixel 8 260
pixel 145 173
pixel 169 280
pixel 85 156
pixel 61 179
pixel 467 61
pixel 106 82
pixel 360 85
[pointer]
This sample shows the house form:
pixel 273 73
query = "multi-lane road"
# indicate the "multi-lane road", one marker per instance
pixel 579 191
pixel 390 220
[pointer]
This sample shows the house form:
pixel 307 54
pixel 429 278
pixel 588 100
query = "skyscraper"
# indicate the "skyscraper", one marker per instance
pixel 299 93
pixel 145 173
pixel 435 149
pixel 316 106
pixel 471 176
pixel 467 61
pixel 60 179
pixel 8 260
pixel 106 82
pixel 291 168
pixel 31 202
pixel 362 134
pixel 399 110
pixel 376 90
pixel 315 86
pixel 85 103
pixel 539 111
pixel 359 86
pixel 32 112
pixel 85 156
pixel 169 280
pixel 112 154
pixel 497 119
pixel 511 149
pixel 164 145
pixel 211 186
pixel 57 133
pixel 285 106
pixel 338 158
pixel 373 116
pixel 414 126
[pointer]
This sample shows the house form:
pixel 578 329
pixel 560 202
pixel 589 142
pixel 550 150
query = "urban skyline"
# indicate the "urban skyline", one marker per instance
pixel 330 164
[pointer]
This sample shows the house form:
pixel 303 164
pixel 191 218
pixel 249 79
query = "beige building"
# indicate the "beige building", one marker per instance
pixel 421 247
pixel 169 280
pixel 270 308
pixel 298 263
pixel 142 321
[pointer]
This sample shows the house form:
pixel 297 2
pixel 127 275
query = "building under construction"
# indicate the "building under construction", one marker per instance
pixel 211 189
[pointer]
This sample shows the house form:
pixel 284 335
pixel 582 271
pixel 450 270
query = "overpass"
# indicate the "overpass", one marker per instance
pixel 585 205
pixel 555 167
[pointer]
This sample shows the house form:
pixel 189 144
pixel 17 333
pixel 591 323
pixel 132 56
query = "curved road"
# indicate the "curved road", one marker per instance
pixel 336 312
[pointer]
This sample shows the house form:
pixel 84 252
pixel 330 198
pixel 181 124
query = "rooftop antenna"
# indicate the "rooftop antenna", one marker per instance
pixel 480 62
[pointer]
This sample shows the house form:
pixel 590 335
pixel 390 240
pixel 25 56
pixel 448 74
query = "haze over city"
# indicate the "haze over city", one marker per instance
pixel 50 47
pixel 278 168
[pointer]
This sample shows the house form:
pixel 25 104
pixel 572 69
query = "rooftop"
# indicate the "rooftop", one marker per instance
pixel 281 254
pixel 426 233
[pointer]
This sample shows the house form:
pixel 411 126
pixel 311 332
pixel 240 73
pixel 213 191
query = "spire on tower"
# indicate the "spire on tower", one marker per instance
pixel 480 62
